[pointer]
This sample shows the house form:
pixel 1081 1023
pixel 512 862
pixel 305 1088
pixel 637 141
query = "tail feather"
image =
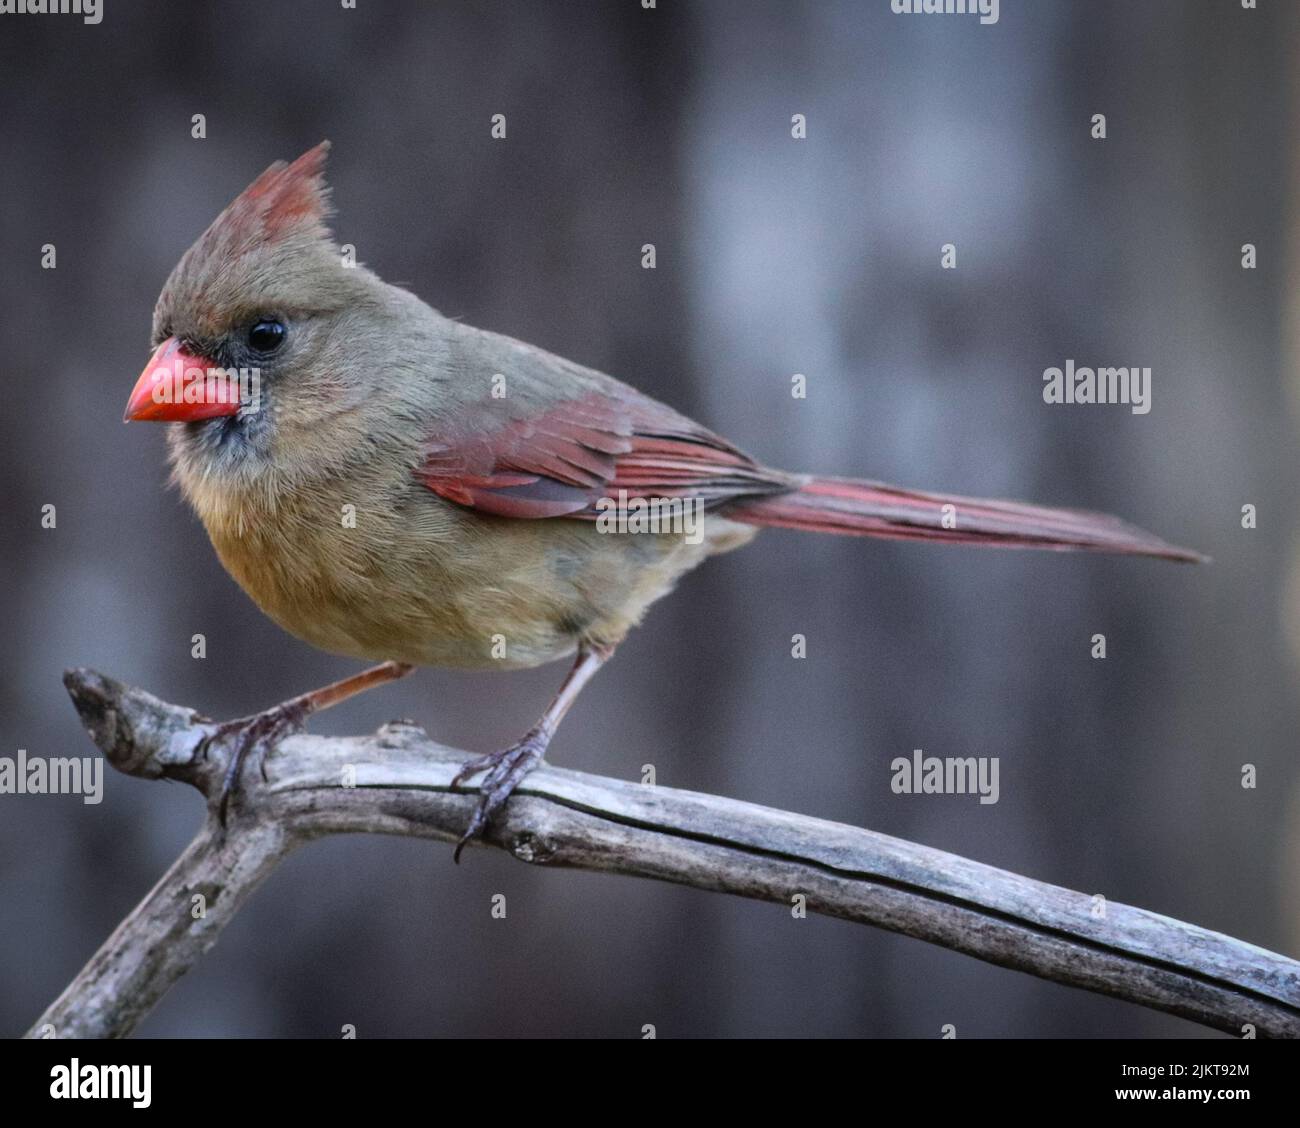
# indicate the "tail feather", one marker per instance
pixel 873 509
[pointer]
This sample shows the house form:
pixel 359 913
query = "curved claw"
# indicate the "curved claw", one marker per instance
pixel 505 769
pixel 258 735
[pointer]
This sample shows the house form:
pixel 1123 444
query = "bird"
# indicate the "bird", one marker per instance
pixel 396 486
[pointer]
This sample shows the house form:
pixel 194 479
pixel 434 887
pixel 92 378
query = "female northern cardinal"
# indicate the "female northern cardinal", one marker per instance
pixel 413 490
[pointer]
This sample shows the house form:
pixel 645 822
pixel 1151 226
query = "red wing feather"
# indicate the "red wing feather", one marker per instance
pixel 563 460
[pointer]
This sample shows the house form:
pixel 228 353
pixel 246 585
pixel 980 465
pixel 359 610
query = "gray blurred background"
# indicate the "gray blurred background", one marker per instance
pixel 775 256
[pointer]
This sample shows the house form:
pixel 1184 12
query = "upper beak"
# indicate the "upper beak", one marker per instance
pixel 180 387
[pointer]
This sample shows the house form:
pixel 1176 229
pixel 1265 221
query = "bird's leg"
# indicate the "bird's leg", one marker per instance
pixel 506 768
pixel 263 731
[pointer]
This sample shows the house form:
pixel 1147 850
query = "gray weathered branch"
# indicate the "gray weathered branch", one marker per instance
pixel 398 782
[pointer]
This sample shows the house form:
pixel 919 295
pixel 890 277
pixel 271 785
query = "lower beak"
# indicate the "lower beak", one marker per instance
pixel 177 386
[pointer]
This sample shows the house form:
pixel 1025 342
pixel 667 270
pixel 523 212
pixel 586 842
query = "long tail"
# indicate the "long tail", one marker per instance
pixel 874 509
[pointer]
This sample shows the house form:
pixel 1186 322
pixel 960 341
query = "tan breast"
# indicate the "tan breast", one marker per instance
pixel 374 570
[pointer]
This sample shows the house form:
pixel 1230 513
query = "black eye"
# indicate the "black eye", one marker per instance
pixel 266 336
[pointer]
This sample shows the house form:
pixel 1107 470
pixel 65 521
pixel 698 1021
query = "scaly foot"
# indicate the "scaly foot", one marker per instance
pixel 504 771
pixel 253 736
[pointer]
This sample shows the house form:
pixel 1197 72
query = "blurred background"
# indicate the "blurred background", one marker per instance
pixel 775 256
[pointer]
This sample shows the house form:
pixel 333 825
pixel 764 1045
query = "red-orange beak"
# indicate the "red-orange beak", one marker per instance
pixel 177 386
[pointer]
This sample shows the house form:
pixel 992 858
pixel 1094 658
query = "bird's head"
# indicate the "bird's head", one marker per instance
pixel 250 328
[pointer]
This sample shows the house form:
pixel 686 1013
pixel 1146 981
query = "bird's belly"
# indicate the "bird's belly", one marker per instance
pixel 448 587
pixel 383 609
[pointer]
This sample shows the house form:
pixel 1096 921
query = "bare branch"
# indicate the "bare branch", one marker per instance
pixel 398 782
